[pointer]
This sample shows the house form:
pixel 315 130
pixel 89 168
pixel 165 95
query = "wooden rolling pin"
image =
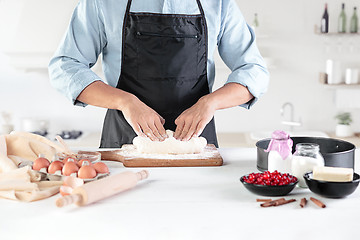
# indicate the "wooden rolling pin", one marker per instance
pixel 103 188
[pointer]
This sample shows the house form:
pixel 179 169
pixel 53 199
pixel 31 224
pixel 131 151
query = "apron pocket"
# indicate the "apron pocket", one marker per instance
pixel 166 56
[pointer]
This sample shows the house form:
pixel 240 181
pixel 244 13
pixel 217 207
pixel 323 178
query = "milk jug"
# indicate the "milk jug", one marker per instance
pixel 280 152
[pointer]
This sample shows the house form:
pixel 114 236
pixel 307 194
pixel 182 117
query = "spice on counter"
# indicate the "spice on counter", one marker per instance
pixel 303 202
pixel 318 202
pixel 264 200
pixel 278 202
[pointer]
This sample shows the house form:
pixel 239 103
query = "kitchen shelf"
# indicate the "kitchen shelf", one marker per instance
pixel 342 86
pixel 335 34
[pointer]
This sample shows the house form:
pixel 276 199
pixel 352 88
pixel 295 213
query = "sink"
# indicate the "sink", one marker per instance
pixel 304 133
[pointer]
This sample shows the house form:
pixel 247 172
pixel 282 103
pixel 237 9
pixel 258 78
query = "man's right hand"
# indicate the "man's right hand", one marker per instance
pixel 144 120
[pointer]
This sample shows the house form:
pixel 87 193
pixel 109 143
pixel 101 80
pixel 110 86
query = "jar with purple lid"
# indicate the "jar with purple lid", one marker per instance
pixel 280 152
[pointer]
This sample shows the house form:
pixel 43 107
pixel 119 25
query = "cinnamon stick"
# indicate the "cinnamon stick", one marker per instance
pixel 289 201
pixel 303 202
pixel 264 200
pixel 272 203
pixel 318 202
pixel 277 202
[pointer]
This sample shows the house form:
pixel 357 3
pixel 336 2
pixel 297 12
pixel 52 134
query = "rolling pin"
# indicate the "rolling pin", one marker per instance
pixel 103 188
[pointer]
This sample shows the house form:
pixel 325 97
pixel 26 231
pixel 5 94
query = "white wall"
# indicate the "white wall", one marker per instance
pixel 286 35
pixel 299 56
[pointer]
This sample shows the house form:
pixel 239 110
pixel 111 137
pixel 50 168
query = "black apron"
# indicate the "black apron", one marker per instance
pixel 164 64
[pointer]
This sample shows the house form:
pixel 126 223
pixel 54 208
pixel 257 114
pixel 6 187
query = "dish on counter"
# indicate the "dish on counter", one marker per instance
pixel 270 184
pixel 331 189
pixel 69 165
pixel 336 153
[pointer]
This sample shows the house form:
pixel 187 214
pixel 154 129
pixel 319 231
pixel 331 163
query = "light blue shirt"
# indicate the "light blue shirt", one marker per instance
pixel 96 27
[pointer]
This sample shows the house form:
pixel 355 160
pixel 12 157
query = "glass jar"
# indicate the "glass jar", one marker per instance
pixel 306 156
pixel 280 149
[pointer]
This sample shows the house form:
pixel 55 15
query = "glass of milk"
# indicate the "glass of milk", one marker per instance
pixel 306 156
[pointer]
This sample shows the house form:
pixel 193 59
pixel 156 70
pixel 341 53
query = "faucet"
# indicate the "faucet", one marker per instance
pixel 290 123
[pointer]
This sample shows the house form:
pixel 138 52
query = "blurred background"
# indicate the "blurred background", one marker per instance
pixel 288 36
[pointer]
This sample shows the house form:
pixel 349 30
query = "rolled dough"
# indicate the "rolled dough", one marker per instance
pixel 170 145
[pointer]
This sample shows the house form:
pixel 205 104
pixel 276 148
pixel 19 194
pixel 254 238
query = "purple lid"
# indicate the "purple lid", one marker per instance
pixel 280 135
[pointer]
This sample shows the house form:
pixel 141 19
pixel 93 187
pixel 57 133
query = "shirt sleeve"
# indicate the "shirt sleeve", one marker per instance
pixel 84 40
pixel 237 47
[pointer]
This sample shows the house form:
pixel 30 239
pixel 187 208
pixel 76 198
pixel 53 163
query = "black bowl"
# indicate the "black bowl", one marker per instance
pixel 336 153
pixel 331 189
pixel 265 190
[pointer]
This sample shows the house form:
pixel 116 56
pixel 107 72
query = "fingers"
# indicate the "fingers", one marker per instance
pixel 160 129
pixel 144 120
pixel 199 128
pixel 154 130
pixel 185 128
pixel 190 126
pixel 149 133
pixel 187 135
pixel 162 120
pixel 138 130
pixel 179 127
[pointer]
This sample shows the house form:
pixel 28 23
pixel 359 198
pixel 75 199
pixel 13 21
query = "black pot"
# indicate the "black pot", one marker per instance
pixel 336 153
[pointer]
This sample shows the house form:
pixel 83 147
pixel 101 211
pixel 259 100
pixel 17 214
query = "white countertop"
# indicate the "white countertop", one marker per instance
pixel 186 203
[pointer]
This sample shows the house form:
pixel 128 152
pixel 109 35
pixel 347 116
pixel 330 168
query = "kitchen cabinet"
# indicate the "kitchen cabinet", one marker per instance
pixel 186 203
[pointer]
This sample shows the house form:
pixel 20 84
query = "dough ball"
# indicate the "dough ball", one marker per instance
pixel 169 145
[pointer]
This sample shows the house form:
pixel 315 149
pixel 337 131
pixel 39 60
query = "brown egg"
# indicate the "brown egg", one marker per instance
pixel 69 168
pixel 80 163
pixel 71 159
pixel 40 163
pixel 55 166
pixel 87 172
pixel 101 167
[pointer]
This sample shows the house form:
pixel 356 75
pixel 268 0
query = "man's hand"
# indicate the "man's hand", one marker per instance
pixel 192 121
pixel 144 120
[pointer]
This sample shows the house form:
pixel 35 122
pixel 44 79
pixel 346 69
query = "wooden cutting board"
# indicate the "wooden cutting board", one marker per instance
pixel 130 158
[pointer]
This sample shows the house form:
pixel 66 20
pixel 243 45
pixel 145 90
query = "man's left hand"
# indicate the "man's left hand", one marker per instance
pixel 193 120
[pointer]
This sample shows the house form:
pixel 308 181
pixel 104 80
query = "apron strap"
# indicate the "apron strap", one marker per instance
pixel 200 8
pixel 128 7
pixel 126 16
pixel 205 30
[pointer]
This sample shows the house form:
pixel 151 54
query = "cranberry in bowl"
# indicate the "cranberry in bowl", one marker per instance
pixel 269 183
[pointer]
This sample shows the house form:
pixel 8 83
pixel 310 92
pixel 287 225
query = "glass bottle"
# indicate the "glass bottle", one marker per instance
pixel 342 20
pixel 280 152
pixel 325 20
pixel 354 22
pixel 306 156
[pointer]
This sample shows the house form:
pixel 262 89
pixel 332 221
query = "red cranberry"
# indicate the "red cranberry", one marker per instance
pixel 270 178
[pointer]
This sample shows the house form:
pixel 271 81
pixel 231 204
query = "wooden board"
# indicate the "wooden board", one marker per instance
pixel 130 158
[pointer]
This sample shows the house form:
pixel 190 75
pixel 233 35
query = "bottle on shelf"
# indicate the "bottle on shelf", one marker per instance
pixel 354 22
pixel 325 21
pixel 342 20
pixel 255 23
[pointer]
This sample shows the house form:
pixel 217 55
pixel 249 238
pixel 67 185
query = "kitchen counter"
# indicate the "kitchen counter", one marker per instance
pixel 186 203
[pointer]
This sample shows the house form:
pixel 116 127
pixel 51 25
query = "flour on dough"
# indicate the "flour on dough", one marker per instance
pixel 170 145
